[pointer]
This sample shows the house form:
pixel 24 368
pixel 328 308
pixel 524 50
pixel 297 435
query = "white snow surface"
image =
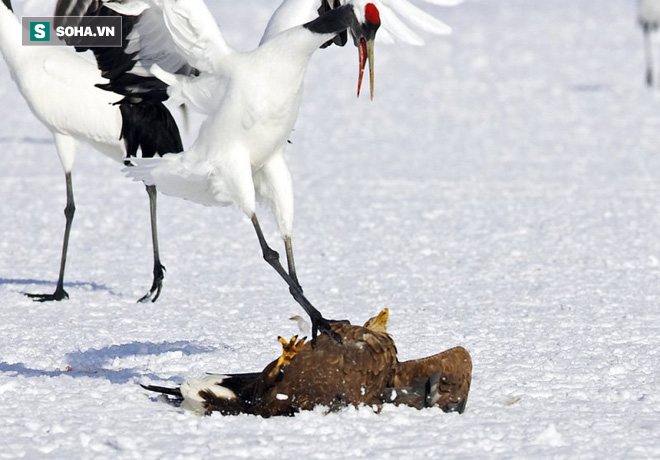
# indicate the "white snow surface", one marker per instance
pixel 501 193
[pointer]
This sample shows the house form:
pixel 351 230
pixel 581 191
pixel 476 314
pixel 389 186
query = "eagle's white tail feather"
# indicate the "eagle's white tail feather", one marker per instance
pixel 193 402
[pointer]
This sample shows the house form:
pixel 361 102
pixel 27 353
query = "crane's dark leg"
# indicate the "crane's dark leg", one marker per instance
pixel 69 211
pixel 290 262
pixel 159 269
pixel 648 51
pixel 319 323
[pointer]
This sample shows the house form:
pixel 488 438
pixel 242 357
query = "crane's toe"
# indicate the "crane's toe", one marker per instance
pixel 322 325
pixel 59 294
pixel 156 286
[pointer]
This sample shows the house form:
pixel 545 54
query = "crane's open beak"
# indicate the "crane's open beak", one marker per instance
pixel 366 47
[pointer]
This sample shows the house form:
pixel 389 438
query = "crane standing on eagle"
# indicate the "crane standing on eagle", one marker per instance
pixel 251 99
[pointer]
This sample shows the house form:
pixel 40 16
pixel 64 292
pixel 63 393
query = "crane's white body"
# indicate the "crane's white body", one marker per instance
pixel 238 155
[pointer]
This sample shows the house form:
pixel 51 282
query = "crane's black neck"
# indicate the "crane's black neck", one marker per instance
pixel 8 4
pixel 333 21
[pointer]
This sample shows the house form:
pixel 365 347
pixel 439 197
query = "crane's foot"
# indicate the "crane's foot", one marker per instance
pixel 320 324
pixel 156 286
pixel 59 294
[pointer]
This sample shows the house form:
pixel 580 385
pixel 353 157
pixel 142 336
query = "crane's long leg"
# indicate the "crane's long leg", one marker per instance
pixel 290 262
pixel 159 269
pixel 648 50
pixel 69 212
pixel 319 323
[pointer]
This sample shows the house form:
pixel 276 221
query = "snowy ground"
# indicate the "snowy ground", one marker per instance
pixel 501 193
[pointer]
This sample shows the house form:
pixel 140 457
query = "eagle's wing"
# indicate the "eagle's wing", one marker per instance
pixel 440 380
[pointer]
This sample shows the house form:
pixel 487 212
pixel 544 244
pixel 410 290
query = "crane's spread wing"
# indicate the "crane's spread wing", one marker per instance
pixel 196 34
pixel 169 49
pixel 145 42
pixel 172 34
pixel 400 19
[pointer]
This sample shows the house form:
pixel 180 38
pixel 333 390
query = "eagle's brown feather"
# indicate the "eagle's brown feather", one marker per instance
pixel 455 369
pixel 332 374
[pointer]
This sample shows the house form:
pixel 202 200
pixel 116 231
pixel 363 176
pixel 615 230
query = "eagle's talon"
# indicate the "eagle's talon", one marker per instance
pixel 289 350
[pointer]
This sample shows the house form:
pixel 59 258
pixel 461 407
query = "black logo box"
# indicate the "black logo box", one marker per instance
pixel 88 32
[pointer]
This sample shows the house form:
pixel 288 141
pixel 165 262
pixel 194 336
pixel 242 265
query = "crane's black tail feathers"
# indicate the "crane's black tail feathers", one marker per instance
pixel 149 126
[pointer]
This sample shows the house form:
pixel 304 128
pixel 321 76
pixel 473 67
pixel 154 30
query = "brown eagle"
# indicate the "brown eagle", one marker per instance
pixel 362 369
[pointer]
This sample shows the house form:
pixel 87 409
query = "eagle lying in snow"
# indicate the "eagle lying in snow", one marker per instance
pixel 363 369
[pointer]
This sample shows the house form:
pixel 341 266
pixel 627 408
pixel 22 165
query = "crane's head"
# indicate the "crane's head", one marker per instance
pixel 364 31
pixel 361 18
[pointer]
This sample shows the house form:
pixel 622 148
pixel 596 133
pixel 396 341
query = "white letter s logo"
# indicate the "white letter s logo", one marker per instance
pixel 40 31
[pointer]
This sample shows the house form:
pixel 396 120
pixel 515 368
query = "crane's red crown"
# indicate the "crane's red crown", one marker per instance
pixel 371 14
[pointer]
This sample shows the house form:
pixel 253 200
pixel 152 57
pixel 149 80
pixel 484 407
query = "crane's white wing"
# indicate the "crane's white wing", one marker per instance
pixel 196 34
pixel 176 41
pixel 146 39
pixel 201 93
pixel 170 33
pixel 400 19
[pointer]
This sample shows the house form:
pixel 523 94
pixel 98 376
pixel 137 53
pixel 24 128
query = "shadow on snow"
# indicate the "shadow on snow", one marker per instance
pixel 26 140
pixel 86 285
pixel 95 363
